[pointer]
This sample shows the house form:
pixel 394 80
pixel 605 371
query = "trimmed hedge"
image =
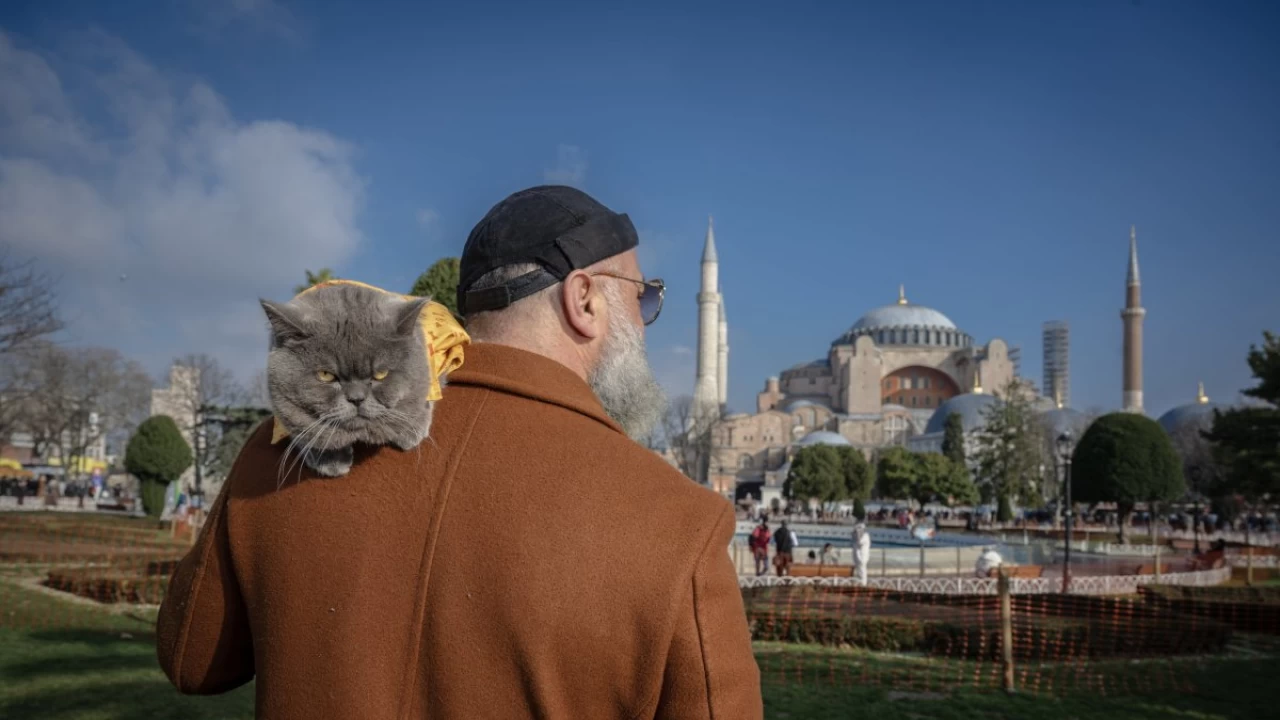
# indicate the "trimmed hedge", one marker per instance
pixel 1059 638
pixel 870 633
pixel 1213 594
pixel 107 586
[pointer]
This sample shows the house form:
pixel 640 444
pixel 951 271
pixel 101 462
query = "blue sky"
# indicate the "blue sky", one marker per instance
pixel 171 162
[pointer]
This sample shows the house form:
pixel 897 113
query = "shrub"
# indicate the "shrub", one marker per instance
pixel 892 634
pixel 108 586
pixel 1126 458
pixel 1061 638
pixel 157 455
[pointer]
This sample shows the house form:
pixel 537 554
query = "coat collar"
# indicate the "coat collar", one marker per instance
pixel 537 377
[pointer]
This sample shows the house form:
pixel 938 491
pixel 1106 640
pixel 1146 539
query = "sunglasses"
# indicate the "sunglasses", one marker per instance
pixel 651 295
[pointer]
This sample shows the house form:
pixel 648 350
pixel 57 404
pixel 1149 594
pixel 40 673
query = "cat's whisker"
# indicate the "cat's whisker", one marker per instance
pixel 281 472
pixel 331 423
pixel 311 433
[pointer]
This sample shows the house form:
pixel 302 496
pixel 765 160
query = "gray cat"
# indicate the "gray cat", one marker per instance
pixel 348 364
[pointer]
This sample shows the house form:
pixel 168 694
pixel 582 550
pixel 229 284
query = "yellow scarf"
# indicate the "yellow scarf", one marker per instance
pixel 443 336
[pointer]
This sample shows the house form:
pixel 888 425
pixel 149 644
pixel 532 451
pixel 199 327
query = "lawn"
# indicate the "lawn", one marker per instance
pixel 67 660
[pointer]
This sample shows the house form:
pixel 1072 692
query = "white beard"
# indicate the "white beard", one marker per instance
pixel 622 379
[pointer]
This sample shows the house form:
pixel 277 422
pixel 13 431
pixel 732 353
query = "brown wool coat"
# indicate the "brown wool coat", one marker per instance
pixel 529 561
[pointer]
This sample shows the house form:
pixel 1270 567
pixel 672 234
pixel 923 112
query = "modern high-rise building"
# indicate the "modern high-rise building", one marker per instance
pixel 1057 364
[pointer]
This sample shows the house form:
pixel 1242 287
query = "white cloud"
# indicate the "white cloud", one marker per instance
pixel 150 177
pixel 681 350
pixel 428 219
pixel 570 167
pixel 269 16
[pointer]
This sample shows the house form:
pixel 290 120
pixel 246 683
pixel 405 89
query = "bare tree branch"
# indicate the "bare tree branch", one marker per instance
pixel 28 305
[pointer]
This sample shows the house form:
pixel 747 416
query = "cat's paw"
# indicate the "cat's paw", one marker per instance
pixel 408 441
pixel 331 463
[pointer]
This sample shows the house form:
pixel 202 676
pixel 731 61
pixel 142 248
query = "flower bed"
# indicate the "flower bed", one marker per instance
pixel 109 586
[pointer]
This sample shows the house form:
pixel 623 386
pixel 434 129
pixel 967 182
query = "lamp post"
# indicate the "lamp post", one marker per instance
pixel 1066 444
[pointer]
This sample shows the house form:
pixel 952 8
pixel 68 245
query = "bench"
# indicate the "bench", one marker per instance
pixel 807 570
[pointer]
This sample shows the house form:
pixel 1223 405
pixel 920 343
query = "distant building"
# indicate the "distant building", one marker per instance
pixel 1057 363
pixel 178 402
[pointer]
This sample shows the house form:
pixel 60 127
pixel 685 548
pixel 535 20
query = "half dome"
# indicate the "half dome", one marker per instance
pixel 822 437
pixel 971 407
pixel 1194 415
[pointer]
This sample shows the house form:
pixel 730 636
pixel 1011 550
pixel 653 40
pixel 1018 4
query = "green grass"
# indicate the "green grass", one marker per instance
pixel 62 660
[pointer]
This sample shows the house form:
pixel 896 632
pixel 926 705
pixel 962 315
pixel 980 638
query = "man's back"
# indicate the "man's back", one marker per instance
pixel 516 565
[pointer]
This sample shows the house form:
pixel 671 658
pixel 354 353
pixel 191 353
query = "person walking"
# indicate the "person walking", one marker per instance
pixel 760 547
pixel 492 572
pixel 784 544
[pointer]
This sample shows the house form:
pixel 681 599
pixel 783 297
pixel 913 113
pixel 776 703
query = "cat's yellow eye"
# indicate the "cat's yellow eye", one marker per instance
pixel 380 375
pixel 325 376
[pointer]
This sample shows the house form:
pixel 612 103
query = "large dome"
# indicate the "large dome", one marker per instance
pixel 822 437
pixel 904 315
pixel 971 408
pixel 1197 415
pixel 905 323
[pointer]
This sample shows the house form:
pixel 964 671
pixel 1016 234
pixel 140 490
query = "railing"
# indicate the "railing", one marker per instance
pixel 1080 585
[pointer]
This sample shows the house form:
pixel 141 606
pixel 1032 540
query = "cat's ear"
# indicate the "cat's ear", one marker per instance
pixel 286 325
pixel 407 315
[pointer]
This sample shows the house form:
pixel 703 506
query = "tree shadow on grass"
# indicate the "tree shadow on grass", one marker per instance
pixel 111 675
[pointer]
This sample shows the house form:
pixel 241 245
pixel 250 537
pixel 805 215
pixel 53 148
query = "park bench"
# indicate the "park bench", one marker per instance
pixel 807 570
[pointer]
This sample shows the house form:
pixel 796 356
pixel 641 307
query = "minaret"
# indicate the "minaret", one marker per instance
pixel 1201 398
pixel 1132 316
pixel 722 360
pixel 706 394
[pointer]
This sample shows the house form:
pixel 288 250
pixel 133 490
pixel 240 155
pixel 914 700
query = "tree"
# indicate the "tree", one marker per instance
pixel 1246 441
pixel 1127 459
pixel 688 438
pixel 236 425
pixel 953 439
pixel 82 395
pixel 858 475
pixel 212 389
pixel 1009 455
pixel 28 316
pixel 157 455
pixel 440 283
pixel 945 481
pixel 816 473
pixel 315 278
pixel 897 473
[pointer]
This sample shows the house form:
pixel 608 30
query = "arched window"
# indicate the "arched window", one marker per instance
pixel 915 337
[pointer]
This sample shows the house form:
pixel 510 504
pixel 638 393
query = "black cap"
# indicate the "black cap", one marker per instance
pixel 559 228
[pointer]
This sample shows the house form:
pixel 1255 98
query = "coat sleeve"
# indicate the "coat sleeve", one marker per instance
pixel 202 632
pixel 711 672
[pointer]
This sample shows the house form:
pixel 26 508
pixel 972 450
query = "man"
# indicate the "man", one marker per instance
pixel 479 576
pixel 760 547
pixel 784 543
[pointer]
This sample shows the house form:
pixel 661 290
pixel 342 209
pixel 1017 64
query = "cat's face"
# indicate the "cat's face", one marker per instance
pixel 347 364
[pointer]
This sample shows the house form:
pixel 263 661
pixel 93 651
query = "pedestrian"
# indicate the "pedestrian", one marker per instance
pixel 759 542
pixel 784 543
pixel 829 556
pixel 861 552
pixel 500 569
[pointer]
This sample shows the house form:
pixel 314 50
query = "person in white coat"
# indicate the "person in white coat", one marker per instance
pixel 861 551
pixel 989 560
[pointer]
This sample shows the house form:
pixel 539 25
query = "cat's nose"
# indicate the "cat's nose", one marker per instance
pixel 356 398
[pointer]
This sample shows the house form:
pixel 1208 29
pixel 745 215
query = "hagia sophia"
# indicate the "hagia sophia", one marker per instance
pixel 892 378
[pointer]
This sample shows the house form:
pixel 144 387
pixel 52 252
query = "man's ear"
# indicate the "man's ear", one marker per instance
pixel 585 307
pixel 286 323
pixel 407 316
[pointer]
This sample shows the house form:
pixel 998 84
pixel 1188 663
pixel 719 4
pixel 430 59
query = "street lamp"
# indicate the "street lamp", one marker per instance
pixel 1066 444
